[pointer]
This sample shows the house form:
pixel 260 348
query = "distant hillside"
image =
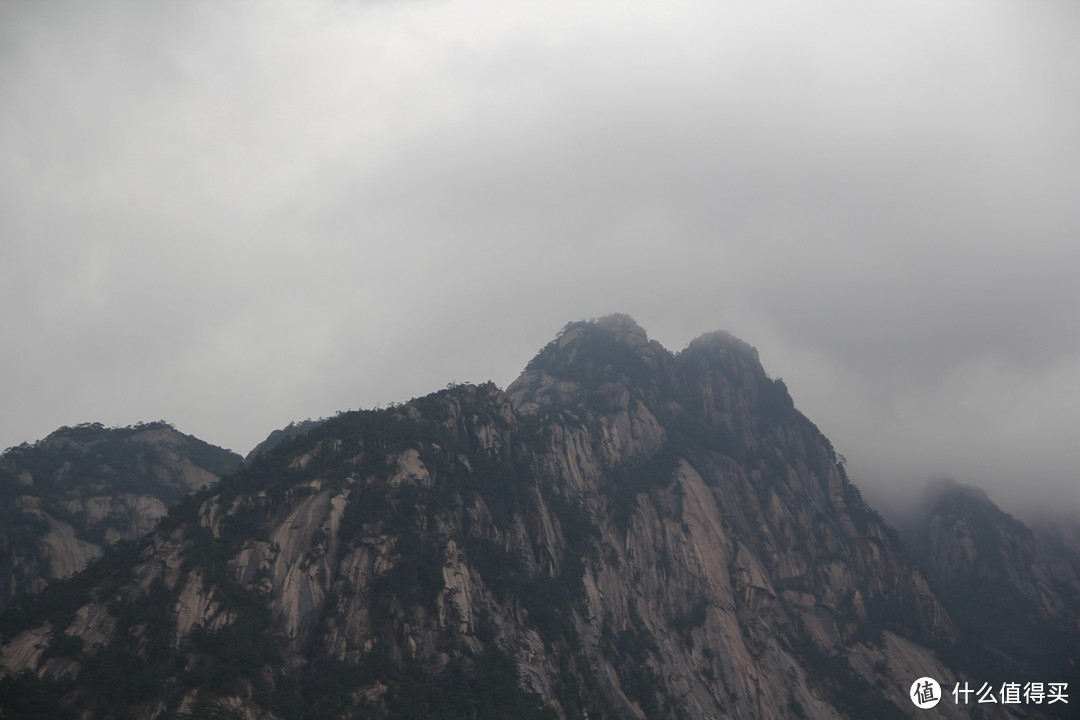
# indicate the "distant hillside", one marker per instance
pixel 65 498
pixel 1014 593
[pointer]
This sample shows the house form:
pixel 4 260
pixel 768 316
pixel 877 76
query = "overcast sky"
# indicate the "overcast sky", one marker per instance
pixel 230 215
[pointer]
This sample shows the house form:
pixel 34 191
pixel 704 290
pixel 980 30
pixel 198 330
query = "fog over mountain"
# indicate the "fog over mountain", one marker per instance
pixel 234 215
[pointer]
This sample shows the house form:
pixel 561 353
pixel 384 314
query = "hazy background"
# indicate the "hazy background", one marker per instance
pixel 230 215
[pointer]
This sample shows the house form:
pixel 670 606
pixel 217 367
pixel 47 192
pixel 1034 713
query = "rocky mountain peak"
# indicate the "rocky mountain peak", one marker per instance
pixel 721 344
pixel 624 329
pixel 586 356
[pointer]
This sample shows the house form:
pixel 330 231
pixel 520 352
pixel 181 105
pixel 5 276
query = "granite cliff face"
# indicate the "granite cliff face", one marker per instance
pixel 623 533
pixel 67 497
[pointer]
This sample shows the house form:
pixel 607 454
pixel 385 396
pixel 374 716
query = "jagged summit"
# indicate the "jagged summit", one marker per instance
pixel 592 335
pixel 622 330
pixel 586 356
pixel 717 384
pixel 616 352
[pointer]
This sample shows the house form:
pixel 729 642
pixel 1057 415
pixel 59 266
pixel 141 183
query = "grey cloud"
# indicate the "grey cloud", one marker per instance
pixel 235 215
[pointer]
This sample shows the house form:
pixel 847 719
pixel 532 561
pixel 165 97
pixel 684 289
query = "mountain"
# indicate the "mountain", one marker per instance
pixel 67 497
pixel 624 532
pixel 1015 593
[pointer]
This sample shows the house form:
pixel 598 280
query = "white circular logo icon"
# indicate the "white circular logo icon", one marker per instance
pixel 925 693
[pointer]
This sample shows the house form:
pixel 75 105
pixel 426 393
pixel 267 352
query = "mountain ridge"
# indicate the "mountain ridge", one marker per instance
pixel 623 532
